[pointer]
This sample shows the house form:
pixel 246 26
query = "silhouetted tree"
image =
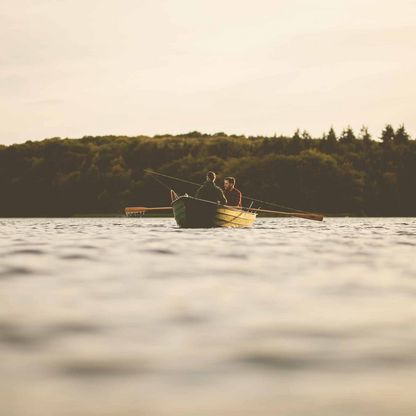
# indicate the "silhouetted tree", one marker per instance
pixel 347 136
pixel 401 136
pixel 295 145
pixel 387 135
pixel 329 141
pixel 365 136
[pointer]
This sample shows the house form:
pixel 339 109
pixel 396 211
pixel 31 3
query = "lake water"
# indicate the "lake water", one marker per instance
pixel 130 316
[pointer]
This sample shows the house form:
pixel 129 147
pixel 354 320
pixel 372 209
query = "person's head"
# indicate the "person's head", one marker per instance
pixel 229 183
pixel 211 176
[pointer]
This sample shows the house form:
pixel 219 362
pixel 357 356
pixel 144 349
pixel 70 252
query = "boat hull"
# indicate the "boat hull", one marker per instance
pixel 197 213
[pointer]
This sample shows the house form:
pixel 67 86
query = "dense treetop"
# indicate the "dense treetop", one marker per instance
pixel 350 174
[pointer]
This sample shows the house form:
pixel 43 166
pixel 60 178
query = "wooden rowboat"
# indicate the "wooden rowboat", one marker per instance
pixel 192 212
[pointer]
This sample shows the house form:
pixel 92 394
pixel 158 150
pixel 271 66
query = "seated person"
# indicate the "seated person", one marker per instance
pixel 232 194
pixel 211 192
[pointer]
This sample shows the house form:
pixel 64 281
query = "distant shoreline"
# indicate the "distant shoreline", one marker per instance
pixel 350 174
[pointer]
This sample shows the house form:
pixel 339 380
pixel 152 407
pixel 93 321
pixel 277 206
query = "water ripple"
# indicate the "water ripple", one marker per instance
pixel 105 309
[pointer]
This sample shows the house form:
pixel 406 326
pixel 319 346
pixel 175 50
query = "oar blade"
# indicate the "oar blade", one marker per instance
pixel 141 210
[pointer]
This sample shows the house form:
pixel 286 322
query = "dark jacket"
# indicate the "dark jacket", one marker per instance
pixel 233 197
pixel 211 192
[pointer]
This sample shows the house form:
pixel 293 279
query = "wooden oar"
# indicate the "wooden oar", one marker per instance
pixel 306 216
pixel 138 210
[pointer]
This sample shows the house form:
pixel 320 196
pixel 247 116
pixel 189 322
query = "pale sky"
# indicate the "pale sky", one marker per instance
pixel 71 68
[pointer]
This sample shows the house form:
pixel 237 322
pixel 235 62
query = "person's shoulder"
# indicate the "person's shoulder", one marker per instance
pixel 237 190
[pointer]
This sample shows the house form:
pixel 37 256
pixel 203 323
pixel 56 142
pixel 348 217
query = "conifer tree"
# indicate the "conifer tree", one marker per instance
pixel 347 135
pixel 365 136
pixel 387 135
pixel 401 136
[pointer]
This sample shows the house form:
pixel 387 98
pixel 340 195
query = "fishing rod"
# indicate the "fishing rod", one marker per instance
pixel 152 172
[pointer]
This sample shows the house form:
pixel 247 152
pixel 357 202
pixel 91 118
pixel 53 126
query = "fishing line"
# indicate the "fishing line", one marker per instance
pixel 171 177
pixel 160 182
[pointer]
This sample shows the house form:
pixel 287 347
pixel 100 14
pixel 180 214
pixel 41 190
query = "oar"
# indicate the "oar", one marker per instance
pixel 135 210
pixel 308 216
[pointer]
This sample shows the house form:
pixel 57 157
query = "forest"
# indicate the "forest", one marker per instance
pixel 350 174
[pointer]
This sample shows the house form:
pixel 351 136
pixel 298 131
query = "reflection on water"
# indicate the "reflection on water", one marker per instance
pixel 135 316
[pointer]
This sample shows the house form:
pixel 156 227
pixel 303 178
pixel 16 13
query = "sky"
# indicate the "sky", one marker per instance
pixel 70 68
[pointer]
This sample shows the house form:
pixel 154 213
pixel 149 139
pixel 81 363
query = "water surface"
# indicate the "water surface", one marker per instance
pixel 130 316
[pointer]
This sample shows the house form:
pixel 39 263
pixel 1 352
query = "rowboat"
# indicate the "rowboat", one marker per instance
pixel 192 212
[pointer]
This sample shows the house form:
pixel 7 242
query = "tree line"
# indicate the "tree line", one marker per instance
pixel 349 174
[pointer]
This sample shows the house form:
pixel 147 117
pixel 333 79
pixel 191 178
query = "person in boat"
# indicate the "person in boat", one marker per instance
pixel 232 194
pixel 211 192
